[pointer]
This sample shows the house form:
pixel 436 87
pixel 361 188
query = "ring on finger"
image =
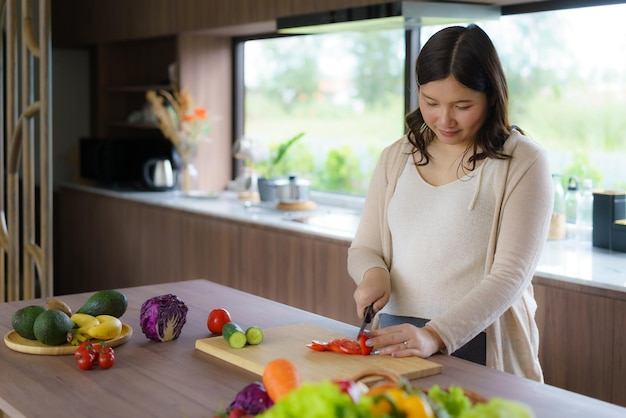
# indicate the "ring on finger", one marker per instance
pixel 406 344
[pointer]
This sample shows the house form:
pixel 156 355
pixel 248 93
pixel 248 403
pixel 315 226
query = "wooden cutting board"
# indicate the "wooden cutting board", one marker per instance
pixel 290 342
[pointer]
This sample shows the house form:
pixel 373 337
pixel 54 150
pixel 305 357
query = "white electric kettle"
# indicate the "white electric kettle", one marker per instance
pixel 158 174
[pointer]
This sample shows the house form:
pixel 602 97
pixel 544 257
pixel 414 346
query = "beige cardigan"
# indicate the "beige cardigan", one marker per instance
pixel 502 303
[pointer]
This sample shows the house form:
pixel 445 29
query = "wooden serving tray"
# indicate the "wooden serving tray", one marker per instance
pixel 17 343
pixel 290 342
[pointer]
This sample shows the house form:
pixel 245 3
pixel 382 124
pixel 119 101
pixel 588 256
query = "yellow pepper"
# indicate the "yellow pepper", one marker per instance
pixel 396 403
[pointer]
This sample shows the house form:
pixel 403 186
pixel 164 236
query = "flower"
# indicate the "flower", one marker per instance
pixel 179 121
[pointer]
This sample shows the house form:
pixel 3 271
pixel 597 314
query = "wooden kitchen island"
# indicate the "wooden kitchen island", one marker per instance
pixel 174 379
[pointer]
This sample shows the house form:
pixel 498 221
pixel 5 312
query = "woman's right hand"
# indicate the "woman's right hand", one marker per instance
pixel 374 289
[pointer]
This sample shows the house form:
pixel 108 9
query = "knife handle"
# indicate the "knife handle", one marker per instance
pixel 368 313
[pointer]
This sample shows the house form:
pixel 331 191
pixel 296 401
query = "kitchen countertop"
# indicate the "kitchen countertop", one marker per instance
pixel 173 379
pixel 565 260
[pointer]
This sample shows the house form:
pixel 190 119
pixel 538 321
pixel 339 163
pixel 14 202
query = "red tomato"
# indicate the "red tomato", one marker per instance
pixel 85 360
pixel 341 345
pixel 349 346
pixel 318 346
pixel 85 349
pixel 105 349
pixel 106 359
pixel 365 350
pixel 217 319
pixel 86 344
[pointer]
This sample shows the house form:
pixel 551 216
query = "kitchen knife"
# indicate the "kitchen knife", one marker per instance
pixel 367 318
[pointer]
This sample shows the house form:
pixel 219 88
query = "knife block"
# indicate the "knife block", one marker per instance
pixel 609 209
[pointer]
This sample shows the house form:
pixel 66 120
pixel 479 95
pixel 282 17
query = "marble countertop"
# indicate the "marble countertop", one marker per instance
pixel 565 260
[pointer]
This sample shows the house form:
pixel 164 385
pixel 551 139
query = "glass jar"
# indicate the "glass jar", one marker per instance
pixel 557 221
pixel 584 215
pixel 188 177
pixel 572 196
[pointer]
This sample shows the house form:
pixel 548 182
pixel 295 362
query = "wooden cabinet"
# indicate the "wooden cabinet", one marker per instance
pixel 98 240
pixel 334 293
pixel 277 265
pixel 582 342
pixel 209 248
pixel 107 242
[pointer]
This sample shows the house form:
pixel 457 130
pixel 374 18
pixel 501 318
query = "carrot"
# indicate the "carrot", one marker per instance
pixel 280 376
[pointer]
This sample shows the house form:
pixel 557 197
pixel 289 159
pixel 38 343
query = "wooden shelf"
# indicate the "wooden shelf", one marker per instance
pixel 132 125
pixel 140 89
pixel 125 71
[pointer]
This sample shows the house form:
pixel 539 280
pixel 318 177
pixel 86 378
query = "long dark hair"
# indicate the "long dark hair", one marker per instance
pixel 467 54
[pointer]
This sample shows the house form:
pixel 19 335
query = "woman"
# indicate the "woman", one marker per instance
pixel 455 218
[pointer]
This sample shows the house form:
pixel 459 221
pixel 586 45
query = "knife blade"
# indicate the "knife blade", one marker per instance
pixel 367 318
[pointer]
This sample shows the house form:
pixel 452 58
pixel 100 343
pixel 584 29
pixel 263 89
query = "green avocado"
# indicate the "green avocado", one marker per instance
pixel 23 320
pixel 51 327
pixel 105 302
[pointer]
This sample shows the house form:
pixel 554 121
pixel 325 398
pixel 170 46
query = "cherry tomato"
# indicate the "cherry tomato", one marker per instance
pixel 106 358
pixel 85 349
pixel 97 348
pixel 85 360
pixel 217 319
pixel 105 349
pixel 86 344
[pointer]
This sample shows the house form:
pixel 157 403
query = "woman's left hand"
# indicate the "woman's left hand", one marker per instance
pixel 405 340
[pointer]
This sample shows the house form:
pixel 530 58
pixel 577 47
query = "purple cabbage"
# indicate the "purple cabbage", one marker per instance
pixel 253 399
pixel 162 317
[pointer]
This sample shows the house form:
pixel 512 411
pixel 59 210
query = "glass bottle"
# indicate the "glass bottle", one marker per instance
pixel 572 196
pixel 584 215
pixel 557 221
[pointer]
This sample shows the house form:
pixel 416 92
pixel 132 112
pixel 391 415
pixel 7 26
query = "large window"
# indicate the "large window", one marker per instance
pixel 566 71
pixel 344 91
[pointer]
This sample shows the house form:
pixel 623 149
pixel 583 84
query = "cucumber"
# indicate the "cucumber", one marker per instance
pixel 234 335
pixel 254 335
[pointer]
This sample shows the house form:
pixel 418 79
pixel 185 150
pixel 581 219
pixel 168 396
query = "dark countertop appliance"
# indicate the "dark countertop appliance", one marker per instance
pixel 119 162
pixel 609 220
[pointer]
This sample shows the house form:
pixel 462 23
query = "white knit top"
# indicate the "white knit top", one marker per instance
pixel 430 275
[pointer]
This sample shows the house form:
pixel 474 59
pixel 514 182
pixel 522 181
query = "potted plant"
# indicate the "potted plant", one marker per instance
pixel 269 171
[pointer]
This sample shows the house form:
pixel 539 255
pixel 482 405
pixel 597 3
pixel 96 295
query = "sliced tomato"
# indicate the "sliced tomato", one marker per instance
pixel 365 350
pixel 318 346
pixel 349 346
pixel 342 346
pixel 334 346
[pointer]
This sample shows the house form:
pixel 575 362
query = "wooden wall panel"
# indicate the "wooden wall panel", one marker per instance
pixel 205 65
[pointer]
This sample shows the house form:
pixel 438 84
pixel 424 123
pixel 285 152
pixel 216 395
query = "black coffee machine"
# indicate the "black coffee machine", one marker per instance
pixel 609 220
